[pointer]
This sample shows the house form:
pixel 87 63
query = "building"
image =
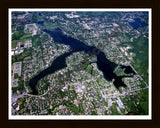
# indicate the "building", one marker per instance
pixel 17 66
pixel 28 44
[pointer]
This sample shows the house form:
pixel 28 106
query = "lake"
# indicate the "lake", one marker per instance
pixel 103 64
pixel 137 23
pixel 41 23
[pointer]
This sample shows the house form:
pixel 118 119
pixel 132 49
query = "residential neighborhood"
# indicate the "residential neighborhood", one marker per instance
pixel 81 87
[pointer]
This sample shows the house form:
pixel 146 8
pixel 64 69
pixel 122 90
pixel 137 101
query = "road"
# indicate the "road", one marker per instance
pixel 109 96
pixel 130 65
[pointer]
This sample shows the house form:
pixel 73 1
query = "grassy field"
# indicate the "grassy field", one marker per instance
pixel 20 57
pixel 21 39
pixel 36 41
pixel 141 58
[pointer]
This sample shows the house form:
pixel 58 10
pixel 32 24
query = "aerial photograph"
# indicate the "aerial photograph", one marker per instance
pixel 79 63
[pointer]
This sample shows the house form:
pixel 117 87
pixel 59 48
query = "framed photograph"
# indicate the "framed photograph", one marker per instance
pixel 80 63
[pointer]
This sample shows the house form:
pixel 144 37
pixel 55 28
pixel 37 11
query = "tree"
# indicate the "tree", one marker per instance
pixel 89 68
pixel 36 41
pixel 17 35
pixel 34 18
pixel 16 76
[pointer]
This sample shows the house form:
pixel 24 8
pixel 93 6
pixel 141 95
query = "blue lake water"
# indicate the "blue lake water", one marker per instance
pixel 103 64
pixel 137 23
pixel 41 23
pixel 39 14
